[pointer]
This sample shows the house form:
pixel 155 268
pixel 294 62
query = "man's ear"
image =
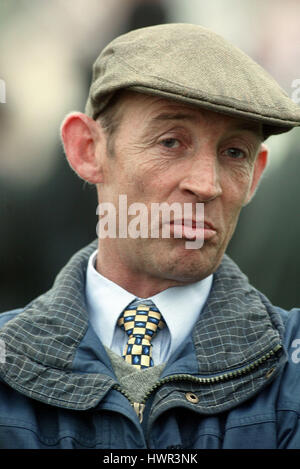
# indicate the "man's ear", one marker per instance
pixel 80 136
pixel 259 167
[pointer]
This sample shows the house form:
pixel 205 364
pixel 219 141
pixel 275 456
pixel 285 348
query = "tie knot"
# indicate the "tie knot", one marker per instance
pixel 141 319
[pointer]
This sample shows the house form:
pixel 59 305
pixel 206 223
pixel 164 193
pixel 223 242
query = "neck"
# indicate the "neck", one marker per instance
pixel 136 281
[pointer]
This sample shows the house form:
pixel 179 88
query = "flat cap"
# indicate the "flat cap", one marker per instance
pixel 194 65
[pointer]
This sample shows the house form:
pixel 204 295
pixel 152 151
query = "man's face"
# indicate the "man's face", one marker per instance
pixel 166 151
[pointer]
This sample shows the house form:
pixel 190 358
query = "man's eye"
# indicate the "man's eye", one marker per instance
pixel 235 153
pixel 170 143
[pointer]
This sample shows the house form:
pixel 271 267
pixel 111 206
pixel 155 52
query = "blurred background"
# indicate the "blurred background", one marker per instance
pixel 47 212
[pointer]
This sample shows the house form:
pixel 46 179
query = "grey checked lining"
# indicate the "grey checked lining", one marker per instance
pixel 237 325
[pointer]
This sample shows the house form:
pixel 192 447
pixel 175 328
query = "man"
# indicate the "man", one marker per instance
pixel 175 115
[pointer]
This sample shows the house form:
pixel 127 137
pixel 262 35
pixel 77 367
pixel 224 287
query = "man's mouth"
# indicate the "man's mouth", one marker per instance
pixel 192 229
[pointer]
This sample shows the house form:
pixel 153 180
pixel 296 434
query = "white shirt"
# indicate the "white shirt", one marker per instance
pixel 179 306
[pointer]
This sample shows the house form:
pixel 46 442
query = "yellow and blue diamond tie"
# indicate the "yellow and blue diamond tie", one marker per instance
pixel 141 320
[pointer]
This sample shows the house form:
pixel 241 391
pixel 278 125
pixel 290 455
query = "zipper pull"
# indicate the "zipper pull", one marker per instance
pixel 139 409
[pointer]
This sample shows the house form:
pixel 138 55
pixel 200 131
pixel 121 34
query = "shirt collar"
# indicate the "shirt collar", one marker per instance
pixel 180 315
pixel 181 307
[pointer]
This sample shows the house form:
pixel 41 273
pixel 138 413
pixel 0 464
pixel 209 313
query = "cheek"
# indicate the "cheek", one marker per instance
pixel 144 177
pixel 238 182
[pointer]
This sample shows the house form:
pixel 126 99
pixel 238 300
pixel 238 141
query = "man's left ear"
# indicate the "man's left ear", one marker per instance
pixel 259 167
pixel 80 135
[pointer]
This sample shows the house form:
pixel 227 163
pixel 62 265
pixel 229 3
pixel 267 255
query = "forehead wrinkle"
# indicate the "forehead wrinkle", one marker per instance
pixel 166 116
pixel 176 111
pixel 234 124
pixel 253 127
pixel 165 110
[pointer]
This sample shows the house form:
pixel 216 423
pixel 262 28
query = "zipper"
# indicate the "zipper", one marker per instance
pixel 217 378
pixel 139 407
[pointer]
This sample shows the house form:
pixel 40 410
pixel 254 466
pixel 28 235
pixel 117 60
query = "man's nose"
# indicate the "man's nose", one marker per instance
pixel 203 178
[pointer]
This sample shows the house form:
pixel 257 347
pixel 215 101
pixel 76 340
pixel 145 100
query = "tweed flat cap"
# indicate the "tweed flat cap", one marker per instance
pixel 191 64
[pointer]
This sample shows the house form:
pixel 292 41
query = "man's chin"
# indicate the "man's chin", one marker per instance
pixel 188 265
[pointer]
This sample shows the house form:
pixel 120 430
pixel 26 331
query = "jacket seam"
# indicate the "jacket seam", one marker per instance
pixel 55 440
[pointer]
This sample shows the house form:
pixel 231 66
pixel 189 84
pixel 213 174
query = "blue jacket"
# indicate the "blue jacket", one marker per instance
pixel 234 384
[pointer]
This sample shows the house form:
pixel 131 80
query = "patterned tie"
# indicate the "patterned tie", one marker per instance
pixel 141 320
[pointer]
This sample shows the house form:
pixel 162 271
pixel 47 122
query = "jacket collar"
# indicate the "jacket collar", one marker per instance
pixel 236 349
pixel 238 325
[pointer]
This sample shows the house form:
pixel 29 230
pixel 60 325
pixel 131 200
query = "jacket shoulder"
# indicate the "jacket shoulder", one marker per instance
pixel 291 321
pixel 8 315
